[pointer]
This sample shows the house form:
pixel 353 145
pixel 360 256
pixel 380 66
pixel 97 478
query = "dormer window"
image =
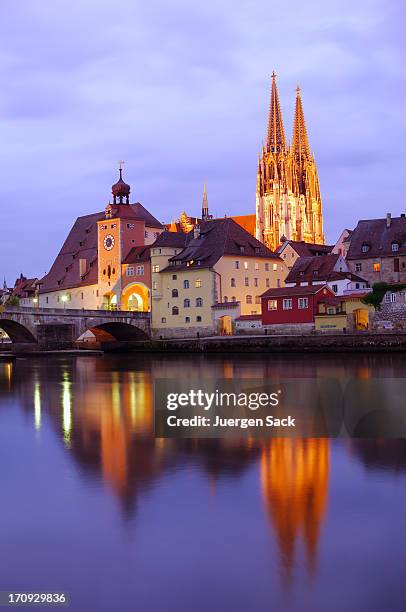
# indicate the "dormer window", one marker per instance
pixel 365 248
pixel 242 249
pixel 395 246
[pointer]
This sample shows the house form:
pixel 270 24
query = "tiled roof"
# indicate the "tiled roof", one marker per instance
pixel 247 222
pixel 171 239
pixel 312 268
pixel 24 287
pixel 293 291
pixel 139 253
pixel 307 249
pixel 375 234
pixel 218 237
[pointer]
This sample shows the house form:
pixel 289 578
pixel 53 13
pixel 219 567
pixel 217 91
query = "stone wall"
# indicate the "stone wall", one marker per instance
pixel 391 314
pixel 184 332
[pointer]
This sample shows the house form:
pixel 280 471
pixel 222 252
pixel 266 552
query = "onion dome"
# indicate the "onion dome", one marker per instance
pixel 121 191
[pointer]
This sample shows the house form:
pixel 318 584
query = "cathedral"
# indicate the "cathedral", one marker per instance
pixel 288 200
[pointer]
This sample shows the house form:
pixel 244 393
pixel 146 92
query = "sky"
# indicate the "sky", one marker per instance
pixel 180 91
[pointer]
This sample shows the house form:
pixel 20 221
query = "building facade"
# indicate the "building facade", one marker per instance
pixel 288 198
pixel 204 280
pixel 97 265
pixel 377 250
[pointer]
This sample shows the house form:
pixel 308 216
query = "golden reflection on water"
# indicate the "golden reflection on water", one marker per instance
pixel 66 408
pixel 294 478
pixel 37 405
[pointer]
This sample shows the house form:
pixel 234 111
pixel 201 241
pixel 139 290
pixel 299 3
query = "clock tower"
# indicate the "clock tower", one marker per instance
pixel 113 244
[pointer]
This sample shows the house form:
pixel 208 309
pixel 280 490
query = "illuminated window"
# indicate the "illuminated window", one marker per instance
pixel 275 267
pixel 198 283
pixel 272 305
pixel 256 265
pixel 155 268
pixel 377 266
pixel 245 265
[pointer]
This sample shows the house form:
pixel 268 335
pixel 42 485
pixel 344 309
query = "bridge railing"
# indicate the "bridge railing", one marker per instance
pixel 30 310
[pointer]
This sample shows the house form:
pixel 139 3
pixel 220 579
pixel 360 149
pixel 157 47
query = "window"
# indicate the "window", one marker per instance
pixel 267 282
pixel 358 267
pixel 272 305
pixel 199 302
pixel 335 288
pixel 155 285
pixel 278 283
pixel 130 225
pixel 130 271
pixel 393 297
pixel 365 248
pixel 140 270
pixel 245 265
pixel 248 299
pixel 303 303
pixel 198 318
pixel 256 265
pixel 175 310
pixel 267 267
pixel 225 299
pixel 377 266
pixel 232 282
pixel 275 267
pixel 174 276
pixel 187 319
pixel 395 246
pixel 387 298
pixel 163 320
pixel 81 295
pixel 46 299
pixel 186 284
pixel 287 304
pixel 242 249
pixel 146 234
pixel 257 299
pixel 198 283
pixel 175 293
pixel 237 265
pixel 247 281
pixel 233 299
pixel 186 303
pixel 113 225
pixel 255 282
pixel 155 268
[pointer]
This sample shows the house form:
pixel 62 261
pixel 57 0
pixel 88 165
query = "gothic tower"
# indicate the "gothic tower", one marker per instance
pixel 288 200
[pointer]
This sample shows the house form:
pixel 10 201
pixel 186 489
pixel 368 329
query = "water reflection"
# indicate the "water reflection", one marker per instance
pixel 101 411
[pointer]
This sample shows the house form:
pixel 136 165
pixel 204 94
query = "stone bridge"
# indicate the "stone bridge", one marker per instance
pixel 57 328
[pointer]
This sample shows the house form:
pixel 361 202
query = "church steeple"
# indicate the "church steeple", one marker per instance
pixel 276 141
pixel 300 143
pixel 205 204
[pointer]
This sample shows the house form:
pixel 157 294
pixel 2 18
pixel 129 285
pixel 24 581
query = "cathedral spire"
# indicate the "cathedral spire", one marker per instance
pixel 205 204
pixel 275 141
pixel 300 143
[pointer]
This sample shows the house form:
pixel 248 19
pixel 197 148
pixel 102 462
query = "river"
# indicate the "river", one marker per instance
pixel 93 505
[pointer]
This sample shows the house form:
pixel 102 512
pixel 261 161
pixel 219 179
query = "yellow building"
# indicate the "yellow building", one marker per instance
pixel 204 280
pixel 288 199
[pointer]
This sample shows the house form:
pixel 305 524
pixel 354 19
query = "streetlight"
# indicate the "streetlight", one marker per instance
pixel 64 299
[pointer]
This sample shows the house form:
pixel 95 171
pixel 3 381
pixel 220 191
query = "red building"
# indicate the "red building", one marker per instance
pixel 294 305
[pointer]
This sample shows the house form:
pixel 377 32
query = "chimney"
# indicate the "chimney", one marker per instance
pixel 82 267
pixel 388 220
pixel 196 231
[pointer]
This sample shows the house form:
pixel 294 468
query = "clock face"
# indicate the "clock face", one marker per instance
pixel 108 242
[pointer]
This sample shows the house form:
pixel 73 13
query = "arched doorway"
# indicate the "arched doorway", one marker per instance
pixel 361 316
pixel 110 301
pixel 225 326
pixel 135 297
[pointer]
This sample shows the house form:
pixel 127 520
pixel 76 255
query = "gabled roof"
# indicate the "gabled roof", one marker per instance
pixel 172 239
pixel 306 249
pixel 295 291
pixel 247 222
pixel 138 253
pixel 216 238
pixel 375 234
pixel 312 268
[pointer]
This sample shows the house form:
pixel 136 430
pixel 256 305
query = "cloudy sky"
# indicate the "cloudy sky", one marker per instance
pixel 179 90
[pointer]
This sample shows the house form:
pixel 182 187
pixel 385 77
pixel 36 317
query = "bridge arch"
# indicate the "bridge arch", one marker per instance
pixel 110 331
pixel 16 331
